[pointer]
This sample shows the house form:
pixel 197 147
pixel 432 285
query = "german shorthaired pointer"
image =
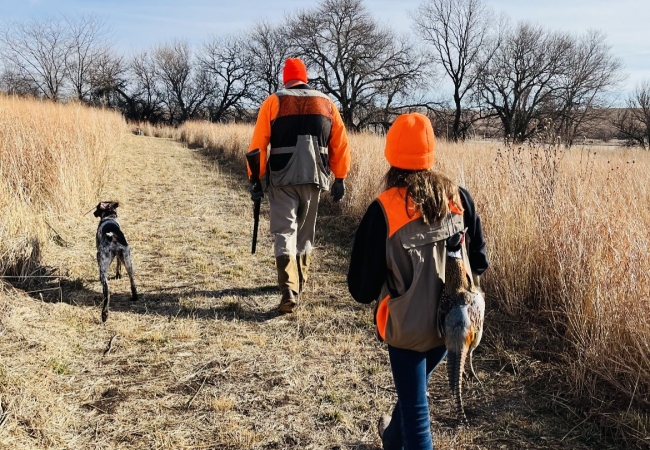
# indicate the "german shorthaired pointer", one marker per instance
pixel 111 243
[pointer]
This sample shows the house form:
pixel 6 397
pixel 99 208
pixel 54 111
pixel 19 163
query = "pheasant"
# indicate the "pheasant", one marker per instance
pixel 460 321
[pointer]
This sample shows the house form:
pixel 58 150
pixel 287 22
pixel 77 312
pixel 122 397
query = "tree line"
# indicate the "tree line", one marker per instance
pixel 521 79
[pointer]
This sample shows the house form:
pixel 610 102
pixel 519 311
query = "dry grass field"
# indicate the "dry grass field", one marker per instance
pixel 53 161
pixel 203 361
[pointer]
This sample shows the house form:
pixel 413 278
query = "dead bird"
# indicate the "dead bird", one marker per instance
pixel 460 320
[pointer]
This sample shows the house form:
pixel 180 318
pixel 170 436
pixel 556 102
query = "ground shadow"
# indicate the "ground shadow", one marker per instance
pixel 246 304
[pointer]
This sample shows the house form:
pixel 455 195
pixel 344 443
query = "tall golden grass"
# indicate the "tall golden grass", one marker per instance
pixel 568 243
pixel 54 159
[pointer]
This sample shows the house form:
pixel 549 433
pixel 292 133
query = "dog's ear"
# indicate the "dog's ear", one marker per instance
pixel 103 207
pixel 98 210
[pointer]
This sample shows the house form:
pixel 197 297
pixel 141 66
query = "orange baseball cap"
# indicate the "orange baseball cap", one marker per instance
pixel 410 142
pixel 294 69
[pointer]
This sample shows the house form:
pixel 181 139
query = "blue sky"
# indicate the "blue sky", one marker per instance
pixel 140 24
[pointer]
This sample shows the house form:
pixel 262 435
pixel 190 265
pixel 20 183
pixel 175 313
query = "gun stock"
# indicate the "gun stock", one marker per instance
pixel 253 160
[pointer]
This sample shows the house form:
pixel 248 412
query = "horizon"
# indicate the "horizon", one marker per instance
pixel 138 25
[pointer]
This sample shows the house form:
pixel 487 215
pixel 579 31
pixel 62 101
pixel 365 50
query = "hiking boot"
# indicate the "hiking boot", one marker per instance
pixel 384 421
pixel 287 302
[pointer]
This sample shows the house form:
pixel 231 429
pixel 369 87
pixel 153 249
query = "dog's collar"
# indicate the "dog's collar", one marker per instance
pixel 111 217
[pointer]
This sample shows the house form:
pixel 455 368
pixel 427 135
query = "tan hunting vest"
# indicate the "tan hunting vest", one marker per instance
pixel 415 255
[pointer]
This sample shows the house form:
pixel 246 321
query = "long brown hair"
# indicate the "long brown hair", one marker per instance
pixel 430 191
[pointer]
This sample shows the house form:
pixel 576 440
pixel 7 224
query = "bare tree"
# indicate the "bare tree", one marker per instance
pixel 185 87
pixel 13 82
pixel 36 53
pixel 633 122
pixel 106 76
pixel 591 71
pixel 458 32
pixel 111 80
pixel 145 98
pixel 354 58
pixel 230 65
pixel 269 48
pixel 88 42
pixel 521 80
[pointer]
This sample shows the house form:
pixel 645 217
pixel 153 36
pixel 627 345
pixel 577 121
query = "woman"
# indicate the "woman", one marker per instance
pixel 398 259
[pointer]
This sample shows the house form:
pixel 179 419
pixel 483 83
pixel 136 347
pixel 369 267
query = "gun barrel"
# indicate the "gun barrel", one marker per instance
pixel 256 223
pixel 253 160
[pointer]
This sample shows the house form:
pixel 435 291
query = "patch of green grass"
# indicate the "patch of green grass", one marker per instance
pixel 59 367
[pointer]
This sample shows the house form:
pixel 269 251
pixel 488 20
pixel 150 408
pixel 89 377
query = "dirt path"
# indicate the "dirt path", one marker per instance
pixel 202 360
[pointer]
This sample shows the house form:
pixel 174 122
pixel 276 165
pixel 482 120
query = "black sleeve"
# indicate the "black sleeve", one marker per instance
pixel 367 272
pixel 476 242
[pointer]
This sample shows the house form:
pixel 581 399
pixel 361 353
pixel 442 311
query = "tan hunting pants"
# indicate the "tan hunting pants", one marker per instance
pixel 292 220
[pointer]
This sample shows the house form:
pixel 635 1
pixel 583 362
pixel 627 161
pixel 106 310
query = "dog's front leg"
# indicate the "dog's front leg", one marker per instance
pixel 103 261
pixel 129 270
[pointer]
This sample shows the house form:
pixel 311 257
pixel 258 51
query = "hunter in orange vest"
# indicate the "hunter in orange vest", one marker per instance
pixel 308 142
pixel 398 261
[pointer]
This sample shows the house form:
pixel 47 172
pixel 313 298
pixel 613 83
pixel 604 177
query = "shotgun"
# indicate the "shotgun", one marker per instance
pixel 253 159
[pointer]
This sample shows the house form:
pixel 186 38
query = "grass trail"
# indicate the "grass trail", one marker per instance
pixel 203 361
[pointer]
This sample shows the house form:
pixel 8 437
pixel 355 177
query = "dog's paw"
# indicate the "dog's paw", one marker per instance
pixel 104 315
pixel 134 298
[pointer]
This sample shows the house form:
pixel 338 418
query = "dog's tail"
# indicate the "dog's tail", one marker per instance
pixel 113 232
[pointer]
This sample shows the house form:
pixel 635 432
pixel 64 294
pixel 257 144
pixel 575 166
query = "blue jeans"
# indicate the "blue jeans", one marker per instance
pixel 410 425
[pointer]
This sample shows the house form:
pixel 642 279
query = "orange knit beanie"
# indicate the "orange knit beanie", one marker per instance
pixel 410 143
pixel 294 69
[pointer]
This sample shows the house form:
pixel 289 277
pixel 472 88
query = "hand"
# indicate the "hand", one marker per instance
pixel 257 192
pixel 338 189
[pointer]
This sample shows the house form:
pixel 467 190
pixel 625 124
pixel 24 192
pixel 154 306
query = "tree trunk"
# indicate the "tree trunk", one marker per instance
pixel 456 126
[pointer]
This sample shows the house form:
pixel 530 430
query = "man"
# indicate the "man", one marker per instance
pixel 307 140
